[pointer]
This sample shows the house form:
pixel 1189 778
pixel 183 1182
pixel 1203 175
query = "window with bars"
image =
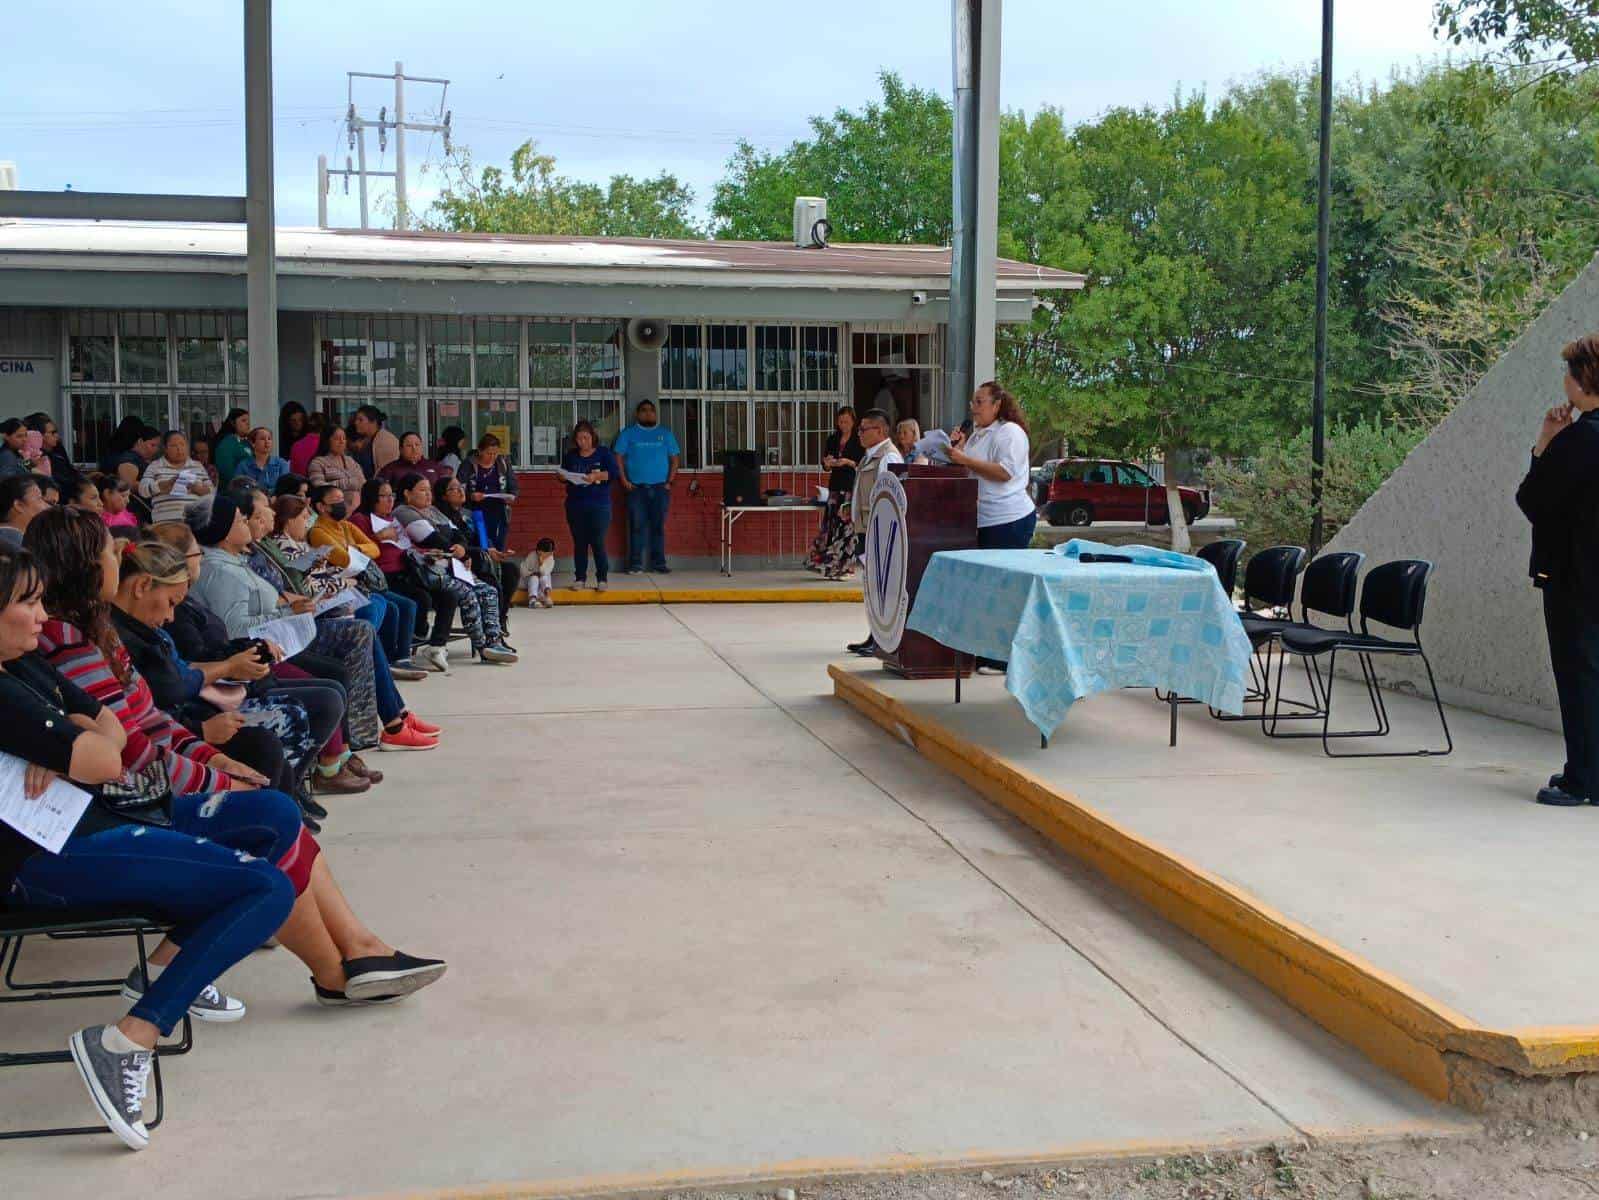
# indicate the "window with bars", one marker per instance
pixel 180 370
pixel 771 388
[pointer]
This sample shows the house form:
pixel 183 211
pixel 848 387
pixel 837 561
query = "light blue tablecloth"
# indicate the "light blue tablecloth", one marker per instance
pixel 1069 628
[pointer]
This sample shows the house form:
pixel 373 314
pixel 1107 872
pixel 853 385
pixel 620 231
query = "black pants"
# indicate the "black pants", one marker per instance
pixel 588 526
pixel 1574 653
pixel 439 604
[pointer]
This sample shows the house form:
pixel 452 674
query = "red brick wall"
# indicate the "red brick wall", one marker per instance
pixel 693 524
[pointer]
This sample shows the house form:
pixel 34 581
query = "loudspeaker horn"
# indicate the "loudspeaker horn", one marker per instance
pixel 647 333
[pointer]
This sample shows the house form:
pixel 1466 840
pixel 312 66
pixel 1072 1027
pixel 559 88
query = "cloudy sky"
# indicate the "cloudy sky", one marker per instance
pixel 149 96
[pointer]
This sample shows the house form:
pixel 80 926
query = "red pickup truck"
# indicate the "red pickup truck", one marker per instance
pixel 1085 490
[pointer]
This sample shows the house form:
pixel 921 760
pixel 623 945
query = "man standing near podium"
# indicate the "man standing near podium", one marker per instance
pixel 879 452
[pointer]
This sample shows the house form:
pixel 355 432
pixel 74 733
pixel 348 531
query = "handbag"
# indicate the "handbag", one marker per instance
pixel 372 579
pixel 140 795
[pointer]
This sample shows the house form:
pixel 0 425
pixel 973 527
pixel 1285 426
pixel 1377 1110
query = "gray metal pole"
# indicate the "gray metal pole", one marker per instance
pixel 969 353
pixel 1318 404
pixel 260 230
pixel 399 146
pixel 963 242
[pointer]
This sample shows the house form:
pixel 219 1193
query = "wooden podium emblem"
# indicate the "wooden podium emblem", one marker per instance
pixel 888 600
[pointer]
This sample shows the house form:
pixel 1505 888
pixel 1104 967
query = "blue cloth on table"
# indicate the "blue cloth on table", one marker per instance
pixel 1068 629
pixel 1149 556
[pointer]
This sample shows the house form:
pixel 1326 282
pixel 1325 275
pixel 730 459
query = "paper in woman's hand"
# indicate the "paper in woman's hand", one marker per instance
pixel 48 818
pixel 573 477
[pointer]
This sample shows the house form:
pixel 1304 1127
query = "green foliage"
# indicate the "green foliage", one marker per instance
pixel 535 199
pixel 885 171
pixel 1531 30
pixel 1269 495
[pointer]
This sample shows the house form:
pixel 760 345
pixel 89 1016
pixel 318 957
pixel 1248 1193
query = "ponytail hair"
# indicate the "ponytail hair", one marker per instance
pixel 1010 408
pixel 162 563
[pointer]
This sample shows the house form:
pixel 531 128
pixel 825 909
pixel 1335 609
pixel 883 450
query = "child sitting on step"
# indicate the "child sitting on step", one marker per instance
pixel 538 571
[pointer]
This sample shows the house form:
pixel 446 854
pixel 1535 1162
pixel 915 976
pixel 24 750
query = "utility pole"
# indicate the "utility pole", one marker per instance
pixel 355 128
pixel 1318 401
pixel 261 286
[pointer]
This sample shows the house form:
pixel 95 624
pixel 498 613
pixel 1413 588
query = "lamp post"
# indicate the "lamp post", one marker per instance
pixel 1318 403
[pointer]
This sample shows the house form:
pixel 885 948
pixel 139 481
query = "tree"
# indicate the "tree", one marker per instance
pixel 535 199
pixel 885 171
pixel 1554 34
pixel 1197 240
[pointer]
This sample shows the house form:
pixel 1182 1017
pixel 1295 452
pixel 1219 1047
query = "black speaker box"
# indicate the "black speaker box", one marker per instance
pixel 741 478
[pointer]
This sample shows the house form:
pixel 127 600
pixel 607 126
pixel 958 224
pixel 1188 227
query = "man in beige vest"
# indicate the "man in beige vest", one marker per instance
pixel 880 451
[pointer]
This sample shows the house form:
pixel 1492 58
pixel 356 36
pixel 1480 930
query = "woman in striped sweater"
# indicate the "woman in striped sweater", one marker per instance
pixel 171 779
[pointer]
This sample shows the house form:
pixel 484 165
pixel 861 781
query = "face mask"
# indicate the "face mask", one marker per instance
pixel 339 511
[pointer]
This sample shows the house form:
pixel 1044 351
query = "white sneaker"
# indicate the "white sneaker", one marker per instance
pixel 436 658
pixel 210 1005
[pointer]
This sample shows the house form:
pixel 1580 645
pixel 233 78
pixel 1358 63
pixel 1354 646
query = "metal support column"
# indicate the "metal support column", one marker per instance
pixel 400 221
pixel 1318 403
pixel 975 243
pixel 262 278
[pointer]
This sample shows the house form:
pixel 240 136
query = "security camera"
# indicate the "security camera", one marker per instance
pixel 918 297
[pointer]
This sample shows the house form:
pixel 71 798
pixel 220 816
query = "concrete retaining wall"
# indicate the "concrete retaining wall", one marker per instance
pixel 1453 501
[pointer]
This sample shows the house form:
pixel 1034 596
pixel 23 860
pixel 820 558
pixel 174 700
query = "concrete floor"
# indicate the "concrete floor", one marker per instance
pixel 1439 870
pixel 709 578
pixel 701 919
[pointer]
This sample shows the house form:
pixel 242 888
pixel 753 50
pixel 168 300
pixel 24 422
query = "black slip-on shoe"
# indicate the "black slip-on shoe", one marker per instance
pixel 396 973
pixel 1558 797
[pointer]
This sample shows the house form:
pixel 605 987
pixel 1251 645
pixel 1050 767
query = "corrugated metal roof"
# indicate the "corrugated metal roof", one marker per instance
pixel 133 245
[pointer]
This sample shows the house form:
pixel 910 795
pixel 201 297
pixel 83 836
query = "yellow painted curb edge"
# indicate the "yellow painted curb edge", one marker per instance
pixel 1396 1025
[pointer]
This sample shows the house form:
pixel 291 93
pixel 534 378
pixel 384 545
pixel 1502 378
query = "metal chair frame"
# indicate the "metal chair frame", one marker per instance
pixel 15 928
pixel 1363 645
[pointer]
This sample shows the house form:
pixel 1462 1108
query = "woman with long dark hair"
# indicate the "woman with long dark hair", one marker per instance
pixel 588 469
pixel 291 426
pixel 996 453
pixel 443 548
pixel 232 444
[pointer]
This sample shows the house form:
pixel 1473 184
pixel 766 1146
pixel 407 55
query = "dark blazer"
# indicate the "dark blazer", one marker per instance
pixel 1560 496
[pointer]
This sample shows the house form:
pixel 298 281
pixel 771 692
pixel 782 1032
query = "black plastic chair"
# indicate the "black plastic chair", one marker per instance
pixel 1394 595
pixel 71 925
pixel 1269 582
pixel 1223 556
pixel 1328 589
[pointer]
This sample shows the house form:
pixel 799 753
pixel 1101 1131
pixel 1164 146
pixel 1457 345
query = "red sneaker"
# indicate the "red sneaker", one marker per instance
pixel 417 723
pixel 406 738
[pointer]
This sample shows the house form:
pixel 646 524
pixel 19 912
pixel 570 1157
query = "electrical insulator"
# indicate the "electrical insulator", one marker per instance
pixel 447 132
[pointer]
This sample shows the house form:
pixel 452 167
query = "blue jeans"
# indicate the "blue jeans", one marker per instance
pixel 588 526
pixel 214 875
pixel 390 703
pixel 496 520
pixel 1013 535
pixel 647 505
pixel 394 617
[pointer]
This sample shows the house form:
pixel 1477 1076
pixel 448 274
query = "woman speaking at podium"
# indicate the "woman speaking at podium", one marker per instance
pixel 997 453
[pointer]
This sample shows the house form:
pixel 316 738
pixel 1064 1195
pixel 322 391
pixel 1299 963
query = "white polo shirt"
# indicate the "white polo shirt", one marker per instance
pixel 1005 443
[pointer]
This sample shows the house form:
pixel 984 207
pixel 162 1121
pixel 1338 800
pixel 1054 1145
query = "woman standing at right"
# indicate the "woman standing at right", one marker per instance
pixel 588 503
pixel 833 550
pixel 1560 496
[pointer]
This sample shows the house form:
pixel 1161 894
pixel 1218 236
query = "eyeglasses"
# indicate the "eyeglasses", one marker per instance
pixel 194 554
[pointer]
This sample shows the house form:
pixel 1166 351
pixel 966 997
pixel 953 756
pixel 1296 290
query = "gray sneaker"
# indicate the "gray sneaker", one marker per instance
pixel 496 654
pixel 209 1005
pixel 116 1083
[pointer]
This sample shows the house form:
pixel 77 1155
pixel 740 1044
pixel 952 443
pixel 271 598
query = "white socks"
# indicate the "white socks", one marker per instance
pixel 114 1040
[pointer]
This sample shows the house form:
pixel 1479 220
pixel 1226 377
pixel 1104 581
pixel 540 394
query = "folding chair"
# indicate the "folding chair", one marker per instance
pixel 1223 558
pixel 1395 595
pixel 1327 589
pixel 71 925
pixel 1269 582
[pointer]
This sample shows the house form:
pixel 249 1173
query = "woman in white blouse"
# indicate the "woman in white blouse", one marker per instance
pixel 996 452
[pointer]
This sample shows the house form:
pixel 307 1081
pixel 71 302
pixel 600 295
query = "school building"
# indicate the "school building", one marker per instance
pixel 757 345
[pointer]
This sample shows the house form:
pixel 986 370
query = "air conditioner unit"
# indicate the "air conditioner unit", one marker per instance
pixel 811 226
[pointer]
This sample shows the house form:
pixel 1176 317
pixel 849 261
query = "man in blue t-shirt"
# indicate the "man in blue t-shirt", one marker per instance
pixel 647 454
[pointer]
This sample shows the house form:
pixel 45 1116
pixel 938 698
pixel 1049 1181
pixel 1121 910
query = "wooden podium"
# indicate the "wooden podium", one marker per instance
pixel 940 514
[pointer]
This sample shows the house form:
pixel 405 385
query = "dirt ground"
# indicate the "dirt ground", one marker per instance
pixel 1504 1162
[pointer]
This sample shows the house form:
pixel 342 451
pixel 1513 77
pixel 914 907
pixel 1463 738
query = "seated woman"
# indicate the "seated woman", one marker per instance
pixel 333 463
pixel 281 532
pixel 223 904
pixel 277 735
pixel 412 462
pixel 348 962
pixel 375 529
pixel 431 535
pixel 174 480
pixel 202 639
pixel 245 601
pixel 291 485
pixel 493 566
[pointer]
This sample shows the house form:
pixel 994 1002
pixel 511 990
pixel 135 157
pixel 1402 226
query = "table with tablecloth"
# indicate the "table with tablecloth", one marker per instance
pixel 1070 628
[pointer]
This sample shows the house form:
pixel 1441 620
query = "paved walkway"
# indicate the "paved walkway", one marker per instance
pixel 708 585
pixel 702 920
